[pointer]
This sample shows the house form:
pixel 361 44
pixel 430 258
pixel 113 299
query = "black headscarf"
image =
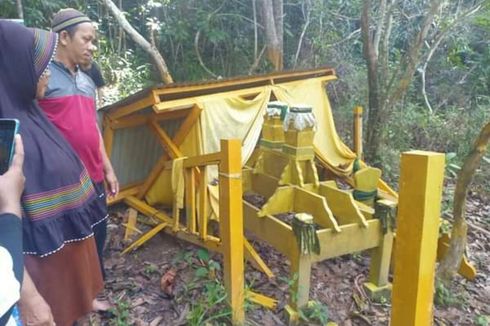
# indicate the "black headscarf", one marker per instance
pixel 59 200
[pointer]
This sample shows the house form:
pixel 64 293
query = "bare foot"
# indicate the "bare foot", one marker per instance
pixel 101 305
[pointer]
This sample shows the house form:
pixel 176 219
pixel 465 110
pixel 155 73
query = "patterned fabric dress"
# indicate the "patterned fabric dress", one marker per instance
pixel 59 200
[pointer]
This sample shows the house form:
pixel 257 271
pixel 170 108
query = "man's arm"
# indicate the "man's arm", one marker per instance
pixel 110 176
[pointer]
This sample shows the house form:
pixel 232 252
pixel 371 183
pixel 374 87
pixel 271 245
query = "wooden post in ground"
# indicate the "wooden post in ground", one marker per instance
pixel 419 206
pixel 231 226
pixel 357 134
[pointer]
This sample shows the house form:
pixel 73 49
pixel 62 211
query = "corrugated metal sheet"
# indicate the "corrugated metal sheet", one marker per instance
pixel 136 150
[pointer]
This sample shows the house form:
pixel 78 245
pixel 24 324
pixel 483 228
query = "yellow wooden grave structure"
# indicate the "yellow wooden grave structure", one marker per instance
pixel 174 165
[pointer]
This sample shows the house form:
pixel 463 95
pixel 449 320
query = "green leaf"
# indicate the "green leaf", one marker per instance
pixel 203 254
pixel 450 156
pixel 201 272
pixel 454 166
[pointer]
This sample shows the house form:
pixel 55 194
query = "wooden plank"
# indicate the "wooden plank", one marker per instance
pixel 132 107
pixel 342 205
pixel 178 139
pixel 421 181
pixel 131 223
pixel 165 140
pixel 189 90
pixel 201 160
pixel 269 229
pixel 357 134
pixel 352 239
pixel 145 237
pixel 185 103
pixel 129 121
pixel 171 115
pixel 154 173
pixel 108 137
pixel 254 258
pixel 131 191
pixel 146 209
pixel 186 126
pixel 231 227
pixel 262 300
pixel 190 199
pixel 203 206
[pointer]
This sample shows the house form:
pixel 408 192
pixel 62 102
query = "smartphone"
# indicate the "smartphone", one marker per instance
pixel 8 130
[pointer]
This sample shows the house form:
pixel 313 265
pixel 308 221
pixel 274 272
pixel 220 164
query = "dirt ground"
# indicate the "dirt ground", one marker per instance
pixel 192 295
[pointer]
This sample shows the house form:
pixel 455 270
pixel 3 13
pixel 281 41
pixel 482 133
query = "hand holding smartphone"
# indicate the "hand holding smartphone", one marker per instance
pixel 12 182
pixel 8 130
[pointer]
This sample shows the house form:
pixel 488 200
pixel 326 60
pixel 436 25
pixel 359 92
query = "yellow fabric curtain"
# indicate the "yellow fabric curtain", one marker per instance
pixel 224 116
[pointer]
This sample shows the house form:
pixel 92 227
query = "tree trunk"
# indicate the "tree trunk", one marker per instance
pixel 374 127
pixel 450 264
pixel 20 9
pixel 141 41
pixel 272 14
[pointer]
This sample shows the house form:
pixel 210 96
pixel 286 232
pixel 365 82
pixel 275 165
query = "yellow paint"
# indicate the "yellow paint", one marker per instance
pixel 419 206
pixel 231 226
pixel 357 135
pixel 343 206
pixel 256 260
pixel 131 223
pixel 145 237
pixel 261 299
pixel 466 269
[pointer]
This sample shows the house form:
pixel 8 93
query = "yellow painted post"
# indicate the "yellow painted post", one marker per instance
pixel 419 206
pixel 231 225
pixel 358 131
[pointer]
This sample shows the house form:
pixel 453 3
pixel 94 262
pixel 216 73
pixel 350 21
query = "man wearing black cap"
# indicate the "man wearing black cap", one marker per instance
pixel 70 104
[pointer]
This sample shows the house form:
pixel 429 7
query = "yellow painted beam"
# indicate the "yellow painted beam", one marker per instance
pixel 231 226
pixel 153 175
pixel 269 229
pixel 264 184
pixel 202 160
pixel 324 74
pixel 357 134
pixel 129 122
pixel 108 137
pixel 190 199
pixel 131 223
pixel 131 191
pixel 203 206
pixel 342 205
pixel 145 237
pixel 353 238
pixel 178 139
pixel 131 107
pixel 165 140
pixel 421 178
pixel 146 209
pixel 262 300
pixel 254 258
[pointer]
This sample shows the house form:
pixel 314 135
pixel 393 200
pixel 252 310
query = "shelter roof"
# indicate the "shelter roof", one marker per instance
pixel 175 91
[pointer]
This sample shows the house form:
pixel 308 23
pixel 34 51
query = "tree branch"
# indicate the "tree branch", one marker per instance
pixel 196 48
pixel 141 41
pixel 450 263
pixel 307 4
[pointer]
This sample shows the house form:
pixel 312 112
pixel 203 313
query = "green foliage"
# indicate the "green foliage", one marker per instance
pixel 482 320
pixel 121 314
pixel 445 297
pixel 209 305
pixel 314 313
